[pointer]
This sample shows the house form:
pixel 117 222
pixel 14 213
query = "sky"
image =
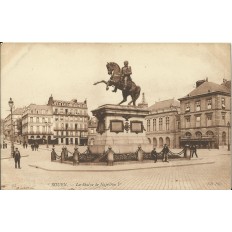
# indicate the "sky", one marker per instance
pixel 31 72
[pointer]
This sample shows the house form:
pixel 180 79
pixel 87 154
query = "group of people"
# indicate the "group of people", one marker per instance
pixel 34 146
pixel 3 145
pixel 164 152
pixel 64 155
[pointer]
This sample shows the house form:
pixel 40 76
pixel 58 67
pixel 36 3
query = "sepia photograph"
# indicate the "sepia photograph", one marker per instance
pixel 115 116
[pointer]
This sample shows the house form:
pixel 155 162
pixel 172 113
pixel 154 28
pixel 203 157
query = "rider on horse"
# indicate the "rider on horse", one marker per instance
pixel 125 74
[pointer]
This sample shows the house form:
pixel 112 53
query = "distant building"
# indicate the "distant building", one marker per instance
pixel 70 121
pixel 92 127
pixel 205 113
pixel 37 124
pixel 16 116
pixel 163 124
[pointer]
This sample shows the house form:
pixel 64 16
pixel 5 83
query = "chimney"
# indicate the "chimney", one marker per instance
pixel 200 82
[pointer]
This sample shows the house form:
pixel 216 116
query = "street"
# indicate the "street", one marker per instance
pixel 212 170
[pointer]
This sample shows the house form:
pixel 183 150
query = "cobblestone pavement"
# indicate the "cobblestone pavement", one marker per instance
pixel 212 170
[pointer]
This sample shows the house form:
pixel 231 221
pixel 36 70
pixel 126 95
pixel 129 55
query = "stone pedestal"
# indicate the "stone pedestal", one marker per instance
pixel 122 128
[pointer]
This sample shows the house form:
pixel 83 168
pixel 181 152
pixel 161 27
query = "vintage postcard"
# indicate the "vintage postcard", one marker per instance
pixel 115 116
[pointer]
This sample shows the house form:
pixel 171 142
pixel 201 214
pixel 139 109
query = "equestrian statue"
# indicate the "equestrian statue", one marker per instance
pixel 121 80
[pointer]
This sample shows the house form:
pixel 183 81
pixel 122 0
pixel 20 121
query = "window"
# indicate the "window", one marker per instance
pixel 209 104
pixel 75 126
pixel 43 129
pixel 66 111
pixel 198 121
pixel 66 126
pixel 62 125
pixel 154 124
pixel 49 128
pixel 223 103
pixel 198 105
pixel 56 111
pixel 187 122
pixel 160 124
pixel 37 129
pixel 148 125
pixel 61 140
pixel 167 123
pixel 43 120
pixel 31 128
pixel 31 119
pixel 209 119
pixel 91 131
pixel 223 118
pixel 37 119
pixel 49 119
pixel 187 107
pixel 62 133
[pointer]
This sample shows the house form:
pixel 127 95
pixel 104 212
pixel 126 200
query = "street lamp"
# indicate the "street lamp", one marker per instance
pixel 47 132
pixel 11 104
pixel 228 125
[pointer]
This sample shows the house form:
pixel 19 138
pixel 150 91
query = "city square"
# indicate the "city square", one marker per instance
pixel 208 172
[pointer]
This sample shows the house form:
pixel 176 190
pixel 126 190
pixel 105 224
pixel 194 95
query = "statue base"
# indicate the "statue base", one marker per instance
pixel 120 127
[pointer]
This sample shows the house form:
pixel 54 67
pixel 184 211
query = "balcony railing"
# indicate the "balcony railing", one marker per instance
pixel 37 133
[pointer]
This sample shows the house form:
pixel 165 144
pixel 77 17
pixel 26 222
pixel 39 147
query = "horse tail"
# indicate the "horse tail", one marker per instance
pixel 137 94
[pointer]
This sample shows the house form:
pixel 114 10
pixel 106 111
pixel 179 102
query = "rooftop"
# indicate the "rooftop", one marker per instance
pixel 209 87
pixel 165 104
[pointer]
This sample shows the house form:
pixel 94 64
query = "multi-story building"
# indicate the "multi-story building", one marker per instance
pixel 16 117
pixel 92 127
pixel 205 114
pixel 70 121
pixel 163 123
pixel 37 124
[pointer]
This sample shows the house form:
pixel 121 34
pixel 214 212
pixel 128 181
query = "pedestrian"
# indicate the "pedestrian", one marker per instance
pixel 191 151
pixel 76 154
pixel 165 153
pixel 62 155
pixel 154 154
pixel 65 153
pixel 26 145
pixel 53 155
pixel 32 147
pixel 194 151
pixel 17 158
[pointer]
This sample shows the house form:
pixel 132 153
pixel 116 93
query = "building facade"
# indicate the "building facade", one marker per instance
pixel 37 124
pixel 70 121
pixel 16 117
pixel 163 124
pixel 205 114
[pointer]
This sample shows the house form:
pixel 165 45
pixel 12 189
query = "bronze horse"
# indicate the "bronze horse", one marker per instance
pixel 116 80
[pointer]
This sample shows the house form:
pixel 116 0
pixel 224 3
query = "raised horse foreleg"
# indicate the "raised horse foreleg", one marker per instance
pixel 105 82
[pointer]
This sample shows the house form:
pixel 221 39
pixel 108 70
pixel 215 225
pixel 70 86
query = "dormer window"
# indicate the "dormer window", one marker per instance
pixel 187 107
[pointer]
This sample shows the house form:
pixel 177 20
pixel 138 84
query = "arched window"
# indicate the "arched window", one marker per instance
pixel 161 142
pixel 188 134
pixel 154 142
pixel 198 134
pixel 167 141
pixel 209 134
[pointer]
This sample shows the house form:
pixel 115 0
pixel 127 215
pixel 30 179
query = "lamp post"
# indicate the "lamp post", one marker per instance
pixel 11 104
pixel 47 132
pixel 228 125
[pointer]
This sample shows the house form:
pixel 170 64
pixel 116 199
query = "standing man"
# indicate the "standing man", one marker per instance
pixel 165 153
pixel 17 158
pixel 194 151
pixel 76 156
pixel 126 72
pixel 62 155
pixel 53 154
pixel 154 154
